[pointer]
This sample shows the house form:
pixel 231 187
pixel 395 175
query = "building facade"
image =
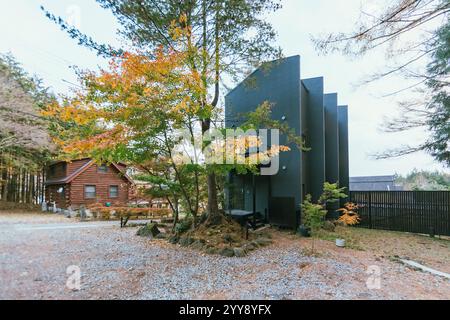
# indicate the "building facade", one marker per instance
pixel 374 183
pixel 317 117
pixel 83 182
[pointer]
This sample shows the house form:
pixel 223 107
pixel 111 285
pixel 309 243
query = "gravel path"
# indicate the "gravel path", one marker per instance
pixel 35 251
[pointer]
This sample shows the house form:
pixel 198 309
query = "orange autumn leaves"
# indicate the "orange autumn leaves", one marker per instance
pixel 349 215
pixel 135 92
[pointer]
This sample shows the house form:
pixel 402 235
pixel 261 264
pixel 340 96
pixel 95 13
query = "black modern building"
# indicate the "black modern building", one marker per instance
pixel 315 116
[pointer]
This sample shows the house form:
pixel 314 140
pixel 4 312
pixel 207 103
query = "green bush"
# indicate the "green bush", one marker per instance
pixel 183 226
pixel 313 214
pixel 331 193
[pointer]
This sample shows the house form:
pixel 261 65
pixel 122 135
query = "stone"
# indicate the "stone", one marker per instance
pixel 211 250
pixel 198 244
pixel 254 243
pixel 149 230
pixel 249 246
pixel 186 241
pixel 329 226
pixel 88 214
pixel 227 252
pixel 228 238
pixel 174 239
pixel 239 252
pixel 161 236
pixel 263 242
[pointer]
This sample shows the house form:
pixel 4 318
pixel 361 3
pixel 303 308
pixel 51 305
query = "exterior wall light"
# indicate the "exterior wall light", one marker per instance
pixel 283 118
pixel 284 167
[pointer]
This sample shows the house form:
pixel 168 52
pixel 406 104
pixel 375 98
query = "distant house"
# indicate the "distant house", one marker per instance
pixel 374 183
pixel 83 182
pixel 140 198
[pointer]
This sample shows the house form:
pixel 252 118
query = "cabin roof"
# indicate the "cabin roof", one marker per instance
pixel 71 177
pixel 52 163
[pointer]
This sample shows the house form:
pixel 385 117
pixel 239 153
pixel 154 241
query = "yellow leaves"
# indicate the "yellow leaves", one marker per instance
pixel 104 141
pixel 242 149
pixel 284 148
pixel 76 111
pixel 186 105
pixel 51 110
pixel 349 215
pixel 181 28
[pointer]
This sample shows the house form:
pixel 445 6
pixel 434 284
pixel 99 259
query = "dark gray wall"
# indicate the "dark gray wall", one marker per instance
pixel 304 115
pixel 343 147
pixel 331 138
pixel 311 114
pixel 279 83
pixel 315 136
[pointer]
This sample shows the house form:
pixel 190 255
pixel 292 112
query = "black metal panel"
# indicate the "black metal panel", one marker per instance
pixel 426 212
pixel 282 212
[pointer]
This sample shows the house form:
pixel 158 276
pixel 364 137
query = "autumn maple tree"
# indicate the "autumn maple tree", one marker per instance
pixel 229 38
pixel 134 111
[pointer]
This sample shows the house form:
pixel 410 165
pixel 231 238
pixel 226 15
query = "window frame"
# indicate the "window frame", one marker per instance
pixel 95 192
pixel 99 170
pixel 109 191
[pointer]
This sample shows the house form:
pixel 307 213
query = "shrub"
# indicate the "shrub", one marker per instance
pixel 331 193
pixel 329 226
pixel 183 226
pixel 313 214
pixel 349 215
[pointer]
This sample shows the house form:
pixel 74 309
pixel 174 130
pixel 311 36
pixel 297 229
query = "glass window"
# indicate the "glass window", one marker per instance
pixel 103 168
pixel 90 192
pixel 113 191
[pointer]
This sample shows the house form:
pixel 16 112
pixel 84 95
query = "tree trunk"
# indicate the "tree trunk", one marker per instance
pixel 43 185
pixel 176 213
pixel 4 182
pixel 214 216
pixel 22 185
pixel 31 189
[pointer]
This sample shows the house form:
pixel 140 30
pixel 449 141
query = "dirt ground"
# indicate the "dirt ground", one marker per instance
pixel 432 252
pixel 36 251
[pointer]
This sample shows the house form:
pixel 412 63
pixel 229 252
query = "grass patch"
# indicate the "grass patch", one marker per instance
pixel 346 233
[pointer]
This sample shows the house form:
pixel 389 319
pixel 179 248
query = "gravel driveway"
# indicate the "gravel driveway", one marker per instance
pixel 36 250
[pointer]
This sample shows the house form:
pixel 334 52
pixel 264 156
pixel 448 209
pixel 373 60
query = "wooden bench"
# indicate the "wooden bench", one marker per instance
pixel 125 213
pixel 124 217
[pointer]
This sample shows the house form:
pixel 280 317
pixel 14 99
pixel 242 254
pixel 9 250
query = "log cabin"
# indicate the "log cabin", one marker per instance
pixel 84 182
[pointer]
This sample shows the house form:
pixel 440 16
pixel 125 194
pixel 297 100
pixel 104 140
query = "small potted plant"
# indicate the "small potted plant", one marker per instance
pixel 304 231
pixel 349 217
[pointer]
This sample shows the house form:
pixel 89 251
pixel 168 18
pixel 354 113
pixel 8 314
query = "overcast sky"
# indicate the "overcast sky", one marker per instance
pixel 46 51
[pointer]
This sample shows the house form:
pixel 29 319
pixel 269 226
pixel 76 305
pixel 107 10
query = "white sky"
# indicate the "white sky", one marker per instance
pixel 46 51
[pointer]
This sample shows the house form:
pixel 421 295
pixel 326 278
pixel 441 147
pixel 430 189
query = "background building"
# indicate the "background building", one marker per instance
pixel 83 182
pixel 315 116
pixel 374 183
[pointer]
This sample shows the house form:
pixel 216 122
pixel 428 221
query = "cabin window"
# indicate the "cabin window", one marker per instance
pixel 103 168
pixel 113 191
pixel 90 192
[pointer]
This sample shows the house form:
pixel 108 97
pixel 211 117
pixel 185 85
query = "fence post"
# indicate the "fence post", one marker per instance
pixel 370 210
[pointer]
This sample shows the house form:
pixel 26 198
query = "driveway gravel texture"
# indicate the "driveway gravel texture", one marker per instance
pixel 37 249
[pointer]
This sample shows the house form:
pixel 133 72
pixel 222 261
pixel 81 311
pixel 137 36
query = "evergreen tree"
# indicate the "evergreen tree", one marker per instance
pixel 432 108
pixel 232 37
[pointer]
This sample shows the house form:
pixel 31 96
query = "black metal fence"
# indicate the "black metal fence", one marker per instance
pixel 425 212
